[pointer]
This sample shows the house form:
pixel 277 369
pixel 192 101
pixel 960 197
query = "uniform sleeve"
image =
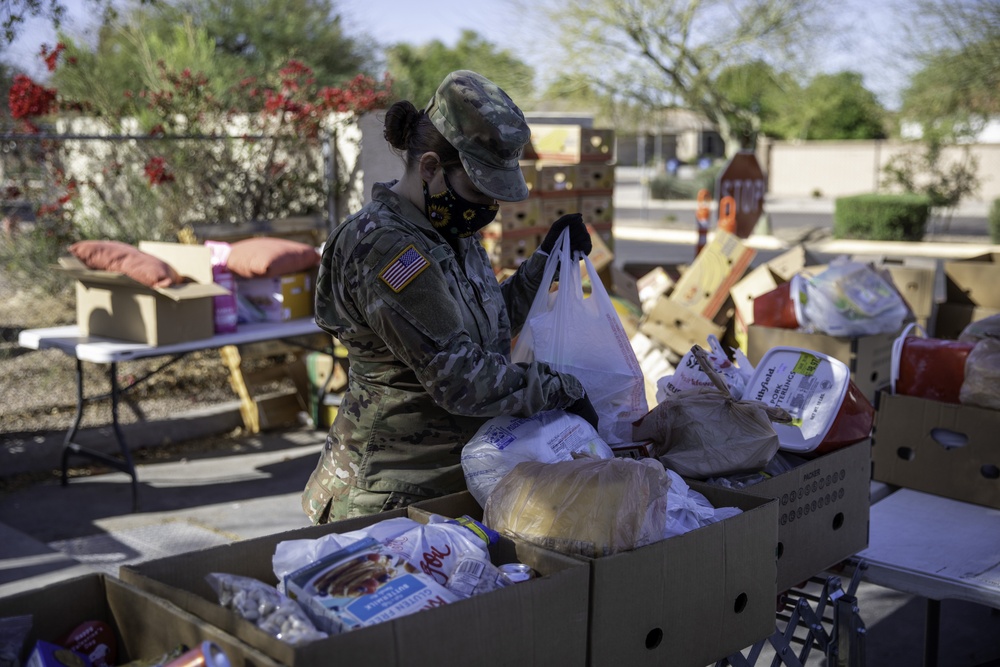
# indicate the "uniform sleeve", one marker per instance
pixel 519 290
pixel 407 302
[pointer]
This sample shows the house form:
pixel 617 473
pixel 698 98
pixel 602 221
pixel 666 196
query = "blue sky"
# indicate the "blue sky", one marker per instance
pixel 870 47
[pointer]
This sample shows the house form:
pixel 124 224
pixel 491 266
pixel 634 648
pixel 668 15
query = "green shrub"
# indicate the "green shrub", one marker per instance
pixel 994 220
pixel 881 217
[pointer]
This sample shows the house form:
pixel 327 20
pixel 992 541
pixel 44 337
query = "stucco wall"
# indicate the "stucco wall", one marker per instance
pixel 838 168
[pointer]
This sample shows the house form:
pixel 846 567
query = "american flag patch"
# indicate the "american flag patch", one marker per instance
pixel 404 268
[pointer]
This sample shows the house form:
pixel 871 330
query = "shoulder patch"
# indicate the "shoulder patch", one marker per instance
pixel 401 271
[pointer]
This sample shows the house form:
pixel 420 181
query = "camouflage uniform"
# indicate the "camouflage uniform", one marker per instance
pixel 428 332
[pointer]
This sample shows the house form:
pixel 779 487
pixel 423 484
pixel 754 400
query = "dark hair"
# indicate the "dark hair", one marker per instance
pixel 409 130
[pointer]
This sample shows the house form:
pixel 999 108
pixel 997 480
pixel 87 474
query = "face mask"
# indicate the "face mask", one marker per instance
pixel 453 215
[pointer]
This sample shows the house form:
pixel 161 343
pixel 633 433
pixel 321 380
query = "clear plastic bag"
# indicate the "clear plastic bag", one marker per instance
pixel 264 606
pixel 584 507
pixel 981 386
pixel 13 631
pixel 848 299
pixel 503 442
pixel 585 337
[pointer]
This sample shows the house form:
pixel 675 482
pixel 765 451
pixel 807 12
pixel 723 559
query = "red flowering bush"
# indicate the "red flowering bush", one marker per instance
pixel 176 155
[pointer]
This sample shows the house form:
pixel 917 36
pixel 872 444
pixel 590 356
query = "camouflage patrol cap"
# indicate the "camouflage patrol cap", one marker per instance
pixel 488 130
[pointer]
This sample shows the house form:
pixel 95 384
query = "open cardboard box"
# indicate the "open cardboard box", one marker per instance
pixel 691 599
pixel 145 626
pixel 542 621
pixel 946 449
pixel 115 306
pixel 823 508
pixel 971 293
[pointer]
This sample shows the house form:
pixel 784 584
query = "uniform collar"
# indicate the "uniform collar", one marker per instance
pixel 403 207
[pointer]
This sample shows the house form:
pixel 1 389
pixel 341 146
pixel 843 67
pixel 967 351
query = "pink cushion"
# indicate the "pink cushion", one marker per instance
pixel 267 257
pixel 123 258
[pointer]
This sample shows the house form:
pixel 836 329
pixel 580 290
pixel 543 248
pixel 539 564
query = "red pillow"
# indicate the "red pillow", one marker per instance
pixel 267 257
pixel 119 257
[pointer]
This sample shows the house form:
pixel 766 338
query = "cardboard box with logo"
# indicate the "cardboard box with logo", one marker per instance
pixel 868 357
pixel 691 599
pixel 823 509
pixel 542 621
pixel 971 293
pixel 942 448
pixel 144 626
pixel 115 306
pixel 277 299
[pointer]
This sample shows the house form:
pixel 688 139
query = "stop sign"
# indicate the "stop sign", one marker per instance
pixel 743 180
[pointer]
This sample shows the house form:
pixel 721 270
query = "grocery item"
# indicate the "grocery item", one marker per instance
pixel 205 654
pixel 828 410
pixel 776 308
pixel 517 572
pixel 982 376
pixel 848 299
pixel 584 507
pixel 503 442
pixel 931 368
pixel 364 584
pixel 704 432
pixel 264 606
pixel 94 639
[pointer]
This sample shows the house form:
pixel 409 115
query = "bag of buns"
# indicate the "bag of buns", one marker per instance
pixel 585 506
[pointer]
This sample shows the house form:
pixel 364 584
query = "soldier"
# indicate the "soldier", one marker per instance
pixel 406 287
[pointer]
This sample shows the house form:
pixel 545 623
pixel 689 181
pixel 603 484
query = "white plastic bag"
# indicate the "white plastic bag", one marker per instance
pixel 688 374
pixel 585 337
pixel 503 442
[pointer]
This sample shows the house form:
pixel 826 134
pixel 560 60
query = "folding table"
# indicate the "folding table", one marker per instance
pixel 109 351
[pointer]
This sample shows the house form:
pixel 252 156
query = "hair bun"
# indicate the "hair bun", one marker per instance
pixel 400 121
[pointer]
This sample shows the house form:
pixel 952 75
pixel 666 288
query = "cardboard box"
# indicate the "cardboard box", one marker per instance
pixel 542 621
pixel 691 599
pixel 556 179
pixel 974 281
pixel 941 448
pixel 595 177
pixel 868 357
pixel 677 327
pixel 572 143
pixel 952 318
pixel 704 286
pixel 525 214
pixel 146 627
pixel 597 209
pixel 115 306
pixel 279 299
pixel 762 280
pixel 555 207
pixel 822 511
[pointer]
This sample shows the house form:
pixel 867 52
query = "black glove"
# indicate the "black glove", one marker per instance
pixel 582 407
pixel 579 237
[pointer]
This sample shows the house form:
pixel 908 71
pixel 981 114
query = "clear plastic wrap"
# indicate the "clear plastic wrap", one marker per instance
pixel 503 442
pixel 981 386
pixel 261 604
pixel 13 631
pixel 848 299
pixel 585 507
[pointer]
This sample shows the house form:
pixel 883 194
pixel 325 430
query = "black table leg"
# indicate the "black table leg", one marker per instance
pixel 932 631
pixel 71 448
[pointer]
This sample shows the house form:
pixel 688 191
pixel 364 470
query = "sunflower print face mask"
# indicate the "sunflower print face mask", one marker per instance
pixel 453 215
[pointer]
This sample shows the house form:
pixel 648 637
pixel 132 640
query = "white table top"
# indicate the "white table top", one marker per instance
pixel 935 547
pixel 109 350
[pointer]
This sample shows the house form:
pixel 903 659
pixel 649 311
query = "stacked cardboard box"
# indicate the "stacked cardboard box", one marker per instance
pixel 571 171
